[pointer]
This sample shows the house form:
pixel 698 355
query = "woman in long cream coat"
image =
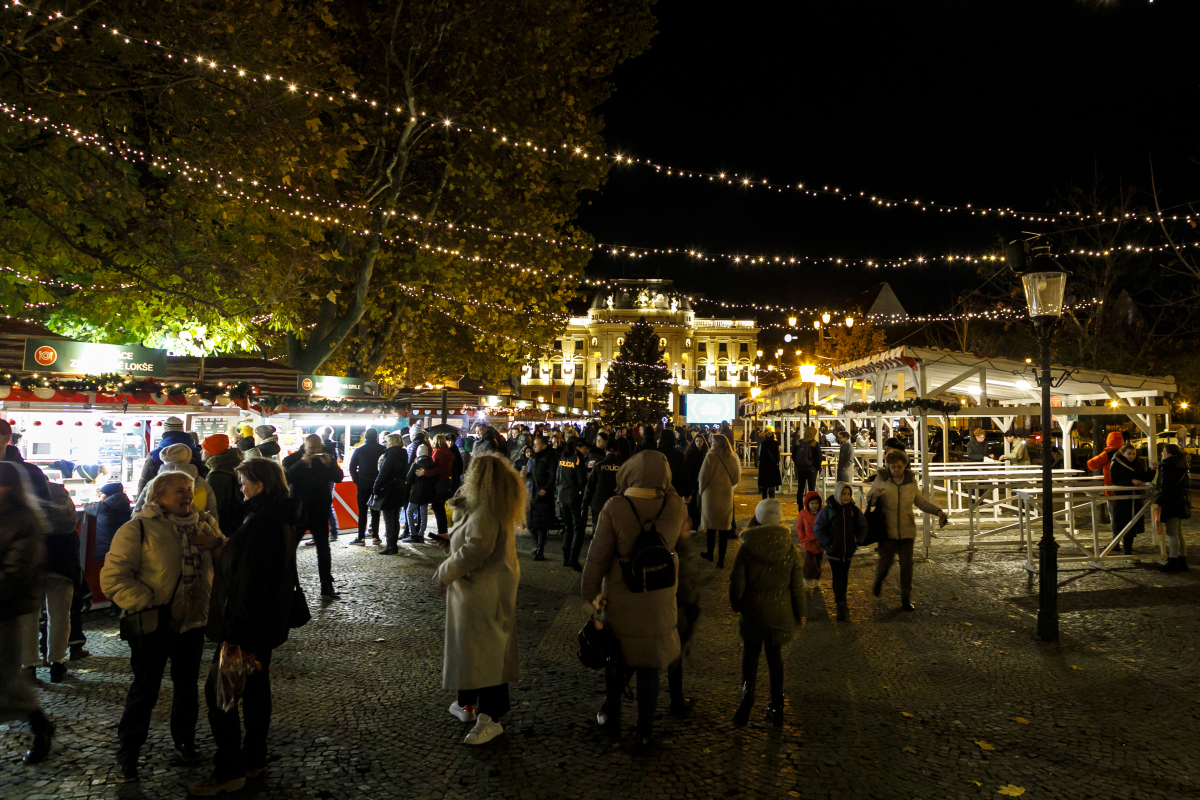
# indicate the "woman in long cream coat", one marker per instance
pixel 719 476
pixel 480 581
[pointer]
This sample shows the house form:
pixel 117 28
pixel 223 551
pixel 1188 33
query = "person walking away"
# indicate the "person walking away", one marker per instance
pixel 570 485
pixel 391 487
pixel 769 478
pixel 543 471
pixel 719 476
pixel 222 479
pixel 638 528
pixel 422 475
pixel 112 511
pixel 60 574
pixel 310 472
pixel 840 528
pixel 173 434
pixel 480 580
pixel 443 487
pixel 676 462
pixel 896 491
pixel 602 482
pixel 1126 469
pixel 845 465
pixel 647 440
pixel 21 557
pixel 693 459
pixel 806 522
pixel 1174 503
pixel 364 470
pixel 767 591
pixel 807 459
pixel 255 585
pixel 161 562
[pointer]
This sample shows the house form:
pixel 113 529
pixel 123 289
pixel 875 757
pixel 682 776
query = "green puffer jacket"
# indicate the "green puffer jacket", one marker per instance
pixel 766 586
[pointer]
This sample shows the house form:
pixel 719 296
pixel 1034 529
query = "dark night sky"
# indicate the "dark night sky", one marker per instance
pixel 1002 104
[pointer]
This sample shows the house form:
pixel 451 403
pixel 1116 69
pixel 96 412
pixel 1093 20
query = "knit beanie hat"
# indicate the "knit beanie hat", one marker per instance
pixel 176 453
pixel 217 443
pixel 769 512
pixel 172 424
pixel 109 489
pixel 264 432
pixel 181 466
pixel 246 430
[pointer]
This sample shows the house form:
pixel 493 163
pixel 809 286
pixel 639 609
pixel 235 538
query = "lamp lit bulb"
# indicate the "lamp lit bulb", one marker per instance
pixel 825 318
pixel 849 322
pixel 817 324
pixel 792 322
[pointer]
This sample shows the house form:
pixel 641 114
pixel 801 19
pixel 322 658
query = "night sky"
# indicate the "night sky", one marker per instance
pixel 1001 104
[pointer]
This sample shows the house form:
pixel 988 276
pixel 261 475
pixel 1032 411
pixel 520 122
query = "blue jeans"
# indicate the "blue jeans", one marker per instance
pixel 418 517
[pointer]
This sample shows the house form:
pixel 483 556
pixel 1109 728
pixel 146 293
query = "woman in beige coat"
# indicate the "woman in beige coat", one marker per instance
pixel 896 491
pixel 163 559
pixel 719 476
pixel 644 622
pixel 480 582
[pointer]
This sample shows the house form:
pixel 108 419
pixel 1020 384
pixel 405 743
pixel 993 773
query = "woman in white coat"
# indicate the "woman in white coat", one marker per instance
pixel 719 476
pixel 480 582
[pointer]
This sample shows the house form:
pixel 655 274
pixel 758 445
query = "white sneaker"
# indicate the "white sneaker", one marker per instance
pixel 484 731
pixel 465 714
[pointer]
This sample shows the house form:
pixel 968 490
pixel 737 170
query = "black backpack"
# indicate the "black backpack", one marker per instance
pixel 650 565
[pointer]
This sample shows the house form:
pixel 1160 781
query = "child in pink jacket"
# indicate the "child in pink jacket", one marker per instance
pixel 808 540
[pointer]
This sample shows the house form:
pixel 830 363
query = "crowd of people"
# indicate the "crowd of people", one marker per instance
pixel 206 549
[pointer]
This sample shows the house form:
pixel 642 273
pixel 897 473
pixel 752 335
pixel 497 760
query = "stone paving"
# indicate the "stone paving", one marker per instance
pixel 955 700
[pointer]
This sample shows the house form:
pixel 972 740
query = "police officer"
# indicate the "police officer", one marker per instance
pixel 602 480
pixel 572 480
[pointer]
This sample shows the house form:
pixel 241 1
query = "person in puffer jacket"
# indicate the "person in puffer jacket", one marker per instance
pixel 173 434
pixel 805 522
pixel 840 528
pixel 112 511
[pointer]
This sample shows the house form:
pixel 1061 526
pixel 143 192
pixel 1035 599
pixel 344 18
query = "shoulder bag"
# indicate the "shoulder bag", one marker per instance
pixel 145 622
pixel 876 524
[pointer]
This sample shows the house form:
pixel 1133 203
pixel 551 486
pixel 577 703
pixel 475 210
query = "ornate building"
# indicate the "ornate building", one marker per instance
pixel 711 355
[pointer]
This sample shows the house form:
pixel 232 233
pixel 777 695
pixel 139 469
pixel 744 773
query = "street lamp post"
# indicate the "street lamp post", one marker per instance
pixel 1044 292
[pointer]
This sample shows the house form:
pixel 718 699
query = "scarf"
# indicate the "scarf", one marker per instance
pixel 189 605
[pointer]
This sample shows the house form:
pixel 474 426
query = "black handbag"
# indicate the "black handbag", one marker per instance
pixel 597 648
pixel 876 525
pixel 375 502
pixel 299 615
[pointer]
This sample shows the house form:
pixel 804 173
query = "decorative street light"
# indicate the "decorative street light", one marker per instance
pixel 825 318
pixel 849 322
pixel 1044 290
pixel 808 376
pixel 755 391
pixel 791 322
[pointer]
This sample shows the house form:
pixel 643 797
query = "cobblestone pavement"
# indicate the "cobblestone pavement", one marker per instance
pixel 954 700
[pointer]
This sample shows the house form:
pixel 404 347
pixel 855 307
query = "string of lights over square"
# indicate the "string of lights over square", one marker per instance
pixel 516 140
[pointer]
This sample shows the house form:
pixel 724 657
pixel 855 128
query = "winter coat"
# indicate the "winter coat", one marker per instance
pixel 719 476
pixel 1019 454
pixel 571 478
pixel 1173 483
pixel 332 449
pixel 1124 473
pixel 543 468
pixel 154 460
pixel 111 513
pixel 310 482
pixel 687 590
pixel 840 529
pixel 766 586
pixel 845 467
pixel 676 461
pixel 898 501
pixel 22 551
pixel 37 478
pixel 364 464
pixel 768 464
pixel 62 535
pixel 601 483
pixel 693 460
pixel 977 451
pixel 227 492
pixel 269 447
pixel 255 578
pixel 1102 460
pixel 806 522
pixel 806 456
pixel 645 623
pixel 391 485
pixel 143 565
pixel 516 446
pixel 421 487
pixel 443 465
pixel 481 576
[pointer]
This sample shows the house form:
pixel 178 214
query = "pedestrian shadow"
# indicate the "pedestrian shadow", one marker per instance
pixel 817 607
pixel 1119 598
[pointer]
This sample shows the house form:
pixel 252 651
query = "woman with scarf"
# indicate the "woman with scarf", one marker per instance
pixel 161 562
pixel 1126 469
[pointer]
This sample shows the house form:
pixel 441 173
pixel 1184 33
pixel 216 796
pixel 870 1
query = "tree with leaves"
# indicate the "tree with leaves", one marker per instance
pixel 636 391
pixel 842 344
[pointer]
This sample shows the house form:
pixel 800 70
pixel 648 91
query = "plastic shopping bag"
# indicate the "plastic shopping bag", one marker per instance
pixel 233 667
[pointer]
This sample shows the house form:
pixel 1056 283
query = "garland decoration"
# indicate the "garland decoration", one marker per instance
pixel 115 384
pixel 896 406
pixel 383 408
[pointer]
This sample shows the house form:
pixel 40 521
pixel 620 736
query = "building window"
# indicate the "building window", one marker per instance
pixel 557 394
pixel 687 342
pixel 620 341
pixel 597 372
pixel 722 373
pixel 723 347
pixel 558 372
pixel 558 344
pixel 579 345
pixel 662 342
pixel 701 372
pixel 745 375
pixel 745 347
pixel 595 341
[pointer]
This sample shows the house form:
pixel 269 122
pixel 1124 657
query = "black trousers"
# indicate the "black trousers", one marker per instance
pixel 235 755
pixel 317 523
pixel 805 482
pixel 539 540
pixel 439 516
pixel 693 511
pixel 391 525
pixel 148 658
pixel 675 682
pixel 724 543
pixel 364 494
pixel 492 701
pixel 767 491
pixel 574 524
pixel 841 578
pixel 615 679
pixel 750 651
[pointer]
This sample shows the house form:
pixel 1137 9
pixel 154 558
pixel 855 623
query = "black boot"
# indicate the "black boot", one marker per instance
pixel 712 543
pixel 43 737
pixel 843 612
pixel 540 553
pixel 743 713
pixel 775 714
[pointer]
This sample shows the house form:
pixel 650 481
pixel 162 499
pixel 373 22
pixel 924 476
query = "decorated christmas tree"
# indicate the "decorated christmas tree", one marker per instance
pixel 636 392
